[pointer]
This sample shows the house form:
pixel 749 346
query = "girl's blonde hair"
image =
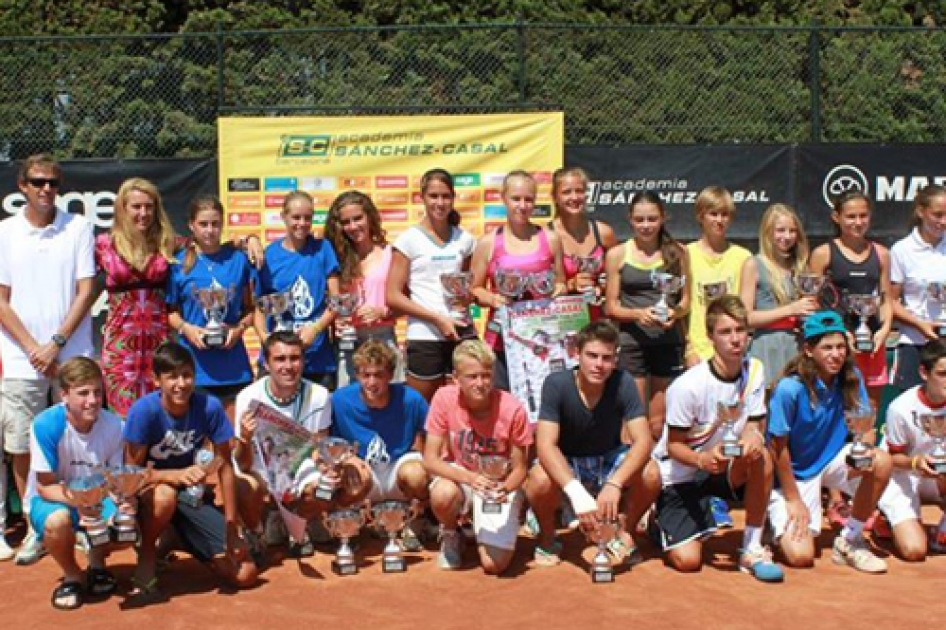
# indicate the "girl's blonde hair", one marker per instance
pixel 136 248
pixel 767 254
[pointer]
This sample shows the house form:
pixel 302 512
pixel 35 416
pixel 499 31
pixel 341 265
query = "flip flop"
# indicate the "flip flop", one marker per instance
pixel 68 596
pixel 100 581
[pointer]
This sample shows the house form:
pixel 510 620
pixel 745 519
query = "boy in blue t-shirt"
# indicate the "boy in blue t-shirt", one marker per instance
pixel 167 429
pixel 808 433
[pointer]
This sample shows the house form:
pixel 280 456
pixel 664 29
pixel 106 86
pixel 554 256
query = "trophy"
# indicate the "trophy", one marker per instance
pixel 333 452
pixel 391 517
pixel 495 468
pixel 275 305
pixel 510 283
pixel 86 493
pixel 592 266
pixel 936 290
pixel 124 482
pixel 809 284
pixel 344 525
pixel 667 284
pixel 214 300
pixel 713 290
pixel 601 570
pixel 345 305
pixel 457 288
pixel 542 283
pixel 728 414
pixel 934 425
pixel 860 420
pixel 194 495
pixel 863 305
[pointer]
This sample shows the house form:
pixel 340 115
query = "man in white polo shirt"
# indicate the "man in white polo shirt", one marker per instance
pixel 46 277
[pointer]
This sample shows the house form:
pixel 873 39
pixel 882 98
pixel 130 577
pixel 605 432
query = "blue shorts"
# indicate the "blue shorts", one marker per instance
pixel 41 510
pixel 594 470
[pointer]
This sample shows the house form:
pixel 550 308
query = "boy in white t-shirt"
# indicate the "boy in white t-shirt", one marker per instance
pixel 915 480
pixel 69 441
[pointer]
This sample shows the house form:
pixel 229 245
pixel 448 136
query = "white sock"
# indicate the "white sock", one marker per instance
pixel 854 529
pixel 752 538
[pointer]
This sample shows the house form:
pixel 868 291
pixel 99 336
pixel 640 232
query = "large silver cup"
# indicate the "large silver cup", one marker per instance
pixel 345 305
pixel 344 525
pixel 936 291
pixel 809 284
pixel 194 495
pixel 124 482
pixel 714 290
pixel 333 452
pixel 275 305
pixel 592 266
pixel 860 421
pixel 87 493
pixel 457 286
pixel 510 283
pixel 668 284
pixel 601 570
pixel 495 468
pixel 542 283
pixel 728 414
pixel 390 517
pixel 934 425
pixel 864 306
pixel 214 300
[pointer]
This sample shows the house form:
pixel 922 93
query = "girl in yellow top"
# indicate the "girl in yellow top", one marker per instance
pixel 715 266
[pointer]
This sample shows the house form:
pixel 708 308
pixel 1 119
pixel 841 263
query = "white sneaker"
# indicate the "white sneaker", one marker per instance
pixel 30 551
pixel 857 554
pixel 451 550
pixel 6 552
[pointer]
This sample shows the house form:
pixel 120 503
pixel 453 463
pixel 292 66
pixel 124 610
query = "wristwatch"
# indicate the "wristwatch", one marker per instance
pixel 59 340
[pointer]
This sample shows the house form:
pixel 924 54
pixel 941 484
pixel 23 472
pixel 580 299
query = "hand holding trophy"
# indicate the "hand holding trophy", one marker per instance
pixel 934 425
pixel 860 421
pixel 86 494
pixel 124 482
pixel 333 452
pixel 495 468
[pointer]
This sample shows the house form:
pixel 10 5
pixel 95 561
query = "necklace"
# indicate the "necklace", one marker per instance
pixel 295 400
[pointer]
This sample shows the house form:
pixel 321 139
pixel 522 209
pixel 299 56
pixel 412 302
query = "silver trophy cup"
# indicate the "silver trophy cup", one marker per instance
pixel 495 468
pixel 936 291
pixel 214 300
pixel 456 286
pixel 668 284
pixel 714 290
pixel 934 425
pixel 601 570
pixel 194 495
pixel 542 283
pixel 390 517
pixel 809 284
pixel 860 421
pixel 344 525
pixel 728 414
pixel 275 305
pixel 333 452
pixel 86 493
pixel 345 305
pixel 592 266
pixel 510 283
pixel 124 482
pixel 864 306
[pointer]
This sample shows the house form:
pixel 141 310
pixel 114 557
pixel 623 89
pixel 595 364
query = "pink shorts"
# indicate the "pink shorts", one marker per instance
pixel 873 367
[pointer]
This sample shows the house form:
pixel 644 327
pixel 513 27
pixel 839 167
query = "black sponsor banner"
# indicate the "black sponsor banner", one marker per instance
pixel 889 175
pixel 89 186
pixel 757 175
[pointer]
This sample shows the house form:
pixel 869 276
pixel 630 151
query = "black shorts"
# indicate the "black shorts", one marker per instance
pixel 683 509
pixel 663 361
pixel 430 360
pixel 906 367
pixel 223 392
pixel 202 530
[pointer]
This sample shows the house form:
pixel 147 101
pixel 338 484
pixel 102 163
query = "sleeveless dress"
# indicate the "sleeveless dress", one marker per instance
pixel 776 343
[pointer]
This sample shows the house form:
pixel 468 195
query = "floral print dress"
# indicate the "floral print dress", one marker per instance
pixel 136 324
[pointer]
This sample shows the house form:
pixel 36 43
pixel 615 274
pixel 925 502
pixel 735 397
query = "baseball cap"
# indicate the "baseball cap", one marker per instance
pixel 822 323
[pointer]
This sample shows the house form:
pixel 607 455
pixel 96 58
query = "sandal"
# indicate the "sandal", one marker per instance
pixel 624 552
pixel 144 590
pixel 100 581
pixel 68 596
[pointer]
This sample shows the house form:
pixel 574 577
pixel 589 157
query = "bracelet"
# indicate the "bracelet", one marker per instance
pixel 180 329
pixel 914 462
pixel 614 484
pixel 699 462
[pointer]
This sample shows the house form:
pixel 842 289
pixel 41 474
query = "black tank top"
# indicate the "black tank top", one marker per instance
pixel 852 278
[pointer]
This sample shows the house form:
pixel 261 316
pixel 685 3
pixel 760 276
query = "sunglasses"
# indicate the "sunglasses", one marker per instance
pixel 42 182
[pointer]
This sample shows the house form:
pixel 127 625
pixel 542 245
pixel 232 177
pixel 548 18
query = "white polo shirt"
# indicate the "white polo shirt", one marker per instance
pixel 903 424
pixel 41 266
pixel 913 264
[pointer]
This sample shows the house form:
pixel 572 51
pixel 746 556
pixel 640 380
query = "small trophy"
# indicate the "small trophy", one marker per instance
pixel 456 286
pixel 809 284
pixel 333 452
pixel 728 414
pixel 668 284
pixel 194 495
pixel 345 305
pixel 542 283
pixel 936 290
pixel 495 468
pixel 214 300
pixel 601 570
pixel 510 283
pixel 344 525
pixel 934 425
pixel 864 306
pixel 124 482
pixel 275 305
pixel 860 420
pixel 391 517
pixel 86 493
pixel 713 290
pixel 592 266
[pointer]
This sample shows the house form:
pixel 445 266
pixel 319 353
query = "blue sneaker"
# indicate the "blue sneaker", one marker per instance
pixel 720 513
pixel 759 564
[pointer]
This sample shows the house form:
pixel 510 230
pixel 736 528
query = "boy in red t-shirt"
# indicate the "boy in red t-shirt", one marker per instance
pixel 467 421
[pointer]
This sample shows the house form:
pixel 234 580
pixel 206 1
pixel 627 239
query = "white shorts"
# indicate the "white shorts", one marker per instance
pixel 834 475
pixel 493 530
pixel 904 496
pixel 384 478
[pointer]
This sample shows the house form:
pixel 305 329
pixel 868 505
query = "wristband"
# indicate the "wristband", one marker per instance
pixel 581 500
pixel 914 462
pixel 614 484
pixel 180 329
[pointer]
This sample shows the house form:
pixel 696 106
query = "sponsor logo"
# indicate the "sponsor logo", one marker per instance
pixel 243 184
pixel 393 214
pixel 273 218
pixel 468 196
pixel 462 180
pixel 280 184
pixel 244 218
pixel 391 181
pixel 274 201
pixel 494 179
pixel 389 198
pixel 491 195
pixel 303 146
pixel 318 218
pixel 542 211
pixel 274 235
pixel 670 191
pixel 542 177
pixel 417 199
pixel 843 179
pixel 317 183
pixel 241 201
pixel 469 212
pixel 96 206
pixel 354 181
pixel 494 212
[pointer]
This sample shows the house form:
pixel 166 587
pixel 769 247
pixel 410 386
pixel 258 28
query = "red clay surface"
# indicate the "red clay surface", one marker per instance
pixel 294 594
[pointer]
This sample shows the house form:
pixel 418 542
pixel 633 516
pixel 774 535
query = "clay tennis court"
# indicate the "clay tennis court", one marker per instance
pixel 294 594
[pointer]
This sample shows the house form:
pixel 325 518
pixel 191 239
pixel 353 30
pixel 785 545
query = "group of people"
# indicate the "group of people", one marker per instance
pixel 741 382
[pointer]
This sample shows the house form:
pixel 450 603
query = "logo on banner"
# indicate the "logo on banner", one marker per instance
pixel 843 179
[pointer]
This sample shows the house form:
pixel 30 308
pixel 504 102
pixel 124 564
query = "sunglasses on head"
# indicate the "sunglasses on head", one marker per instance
pixel 42 182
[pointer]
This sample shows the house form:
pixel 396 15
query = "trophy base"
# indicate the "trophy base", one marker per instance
pixel 215 340
pixel 864 346
pixel 941 330
pixel 491 507
pixel 346 346
pixel 602 575
pixel 859 462
pixel 324 494
pixel 344 568
pixel 732 450
pixel 939 467
pixel 98 539
pixel 393 564
pixel 125 535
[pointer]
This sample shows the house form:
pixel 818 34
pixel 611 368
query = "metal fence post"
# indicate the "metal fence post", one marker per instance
pixel 220 66
pixel 814 77
pixel 521 34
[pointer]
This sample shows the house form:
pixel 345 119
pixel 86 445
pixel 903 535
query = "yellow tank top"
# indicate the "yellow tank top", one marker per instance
pixel 707 268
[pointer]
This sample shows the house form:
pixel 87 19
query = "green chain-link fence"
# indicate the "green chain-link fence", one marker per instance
pixel 159 96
